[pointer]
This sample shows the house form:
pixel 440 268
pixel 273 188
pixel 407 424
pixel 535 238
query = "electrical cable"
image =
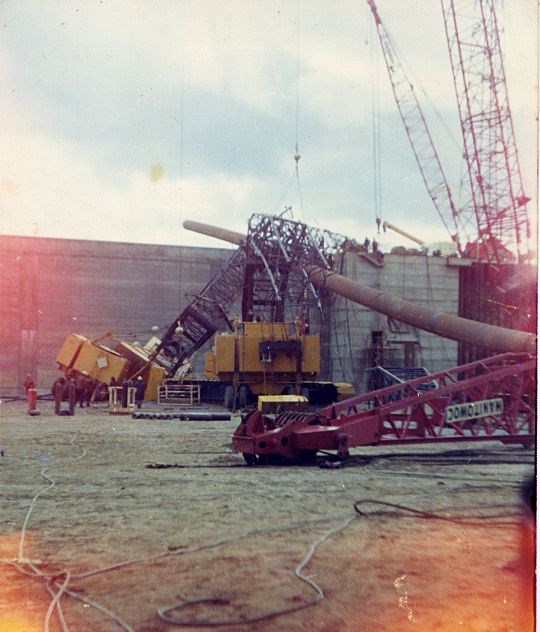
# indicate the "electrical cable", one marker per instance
pixel 53 580
pixel 482 521
pixel 163 613
pixel 48 577
pixel 119 621
pixel 55 603
pixel 51 577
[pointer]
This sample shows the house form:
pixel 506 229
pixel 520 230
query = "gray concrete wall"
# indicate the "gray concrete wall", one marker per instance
pixel 423 279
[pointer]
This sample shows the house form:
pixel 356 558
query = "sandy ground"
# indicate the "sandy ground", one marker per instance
pixel 212 527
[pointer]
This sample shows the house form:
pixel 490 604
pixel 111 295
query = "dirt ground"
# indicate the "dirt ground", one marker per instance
pixel 77 496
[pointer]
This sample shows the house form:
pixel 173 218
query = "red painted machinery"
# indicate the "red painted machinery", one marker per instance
pixel 492 399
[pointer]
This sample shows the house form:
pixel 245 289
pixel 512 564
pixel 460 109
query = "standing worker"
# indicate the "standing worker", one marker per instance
pixel 28 382
pixel 79 385
pixel 58 392
pixel 88 385
pixel 31 395
pixel 140 388
pixel 72 395
pixel 126 385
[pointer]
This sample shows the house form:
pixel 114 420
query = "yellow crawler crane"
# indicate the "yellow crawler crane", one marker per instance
pixel 260 358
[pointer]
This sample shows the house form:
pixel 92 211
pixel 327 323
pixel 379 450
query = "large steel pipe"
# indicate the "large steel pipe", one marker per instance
pixel 214 231
pixel 445 325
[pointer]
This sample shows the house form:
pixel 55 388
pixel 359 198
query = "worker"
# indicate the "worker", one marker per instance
pixel 237 324
pixel 140 388
pixel 28 382
pixel 72 395
pixel 79 386
pixel 88 386
pixel 58 392
pixel 301 324
pixel 126 385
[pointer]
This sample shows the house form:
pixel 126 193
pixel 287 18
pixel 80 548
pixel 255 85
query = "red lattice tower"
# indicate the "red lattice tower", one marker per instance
pixel 495 219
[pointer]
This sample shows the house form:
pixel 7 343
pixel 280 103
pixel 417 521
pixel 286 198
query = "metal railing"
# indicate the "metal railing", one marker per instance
pixel 185 394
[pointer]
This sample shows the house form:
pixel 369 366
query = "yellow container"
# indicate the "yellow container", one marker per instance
pixel 69 350
pixel 269 404
pixel 154 378
pixel 100 363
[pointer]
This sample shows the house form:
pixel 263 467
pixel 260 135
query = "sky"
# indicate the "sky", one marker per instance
pixel 121 119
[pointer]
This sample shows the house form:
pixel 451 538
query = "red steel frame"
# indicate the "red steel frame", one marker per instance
pixel 405 413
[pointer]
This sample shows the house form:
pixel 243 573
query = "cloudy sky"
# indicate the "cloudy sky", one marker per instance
pixel 120 119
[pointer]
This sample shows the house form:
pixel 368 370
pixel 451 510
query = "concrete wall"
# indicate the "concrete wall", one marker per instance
pixel 52 287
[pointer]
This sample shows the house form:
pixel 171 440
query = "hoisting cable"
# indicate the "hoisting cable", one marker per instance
pixel 375 129
pixel 297 155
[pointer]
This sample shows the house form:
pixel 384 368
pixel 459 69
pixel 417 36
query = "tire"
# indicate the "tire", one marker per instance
pixel 307 457
pixel 242 396
pixel 250 459
pixel 228 399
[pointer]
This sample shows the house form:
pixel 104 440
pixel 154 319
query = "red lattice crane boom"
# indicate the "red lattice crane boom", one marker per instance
pixel 418 133
pixel 487 400
pixel 497 209
pixel 493 224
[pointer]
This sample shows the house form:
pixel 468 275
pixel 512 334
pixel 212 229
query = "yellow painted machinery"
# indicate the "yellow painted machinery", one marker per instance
pixel 267 359
pixel 81 356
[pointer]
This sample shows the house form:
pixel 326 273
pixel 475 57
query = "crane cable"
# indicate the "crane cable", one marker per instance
pixel 297 155
pixel 375 128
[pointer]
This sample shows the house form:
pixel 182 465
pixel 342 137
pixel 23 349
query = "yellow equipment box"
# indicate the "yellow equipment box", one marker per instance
pixel 69 350
pixel 100 363
pixel 269 404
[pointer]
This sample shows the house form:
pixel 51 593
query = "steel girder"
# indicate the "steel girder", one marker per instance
pixel 207 313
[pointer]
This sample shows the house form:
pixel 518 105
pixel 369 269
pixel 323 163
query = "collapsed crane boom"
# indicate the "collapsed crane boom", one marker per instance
pixel 265 272
pixel 492 399
pixel 206 314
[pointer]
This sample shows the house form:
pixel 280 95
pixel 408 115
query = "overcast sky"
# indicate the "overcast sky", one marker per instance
pixel 121 119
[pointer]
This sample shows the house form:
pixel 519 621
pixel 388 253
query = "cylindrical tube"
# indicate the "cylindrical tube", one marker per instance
pixel 445 325
pixel 214 231
pixel 31 398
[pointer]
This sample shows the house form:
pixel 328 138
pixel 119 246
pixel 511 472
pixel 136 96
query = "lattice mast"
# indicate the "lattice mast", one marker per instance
pixel 418 133
pixel 495 219
pixel 266 272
